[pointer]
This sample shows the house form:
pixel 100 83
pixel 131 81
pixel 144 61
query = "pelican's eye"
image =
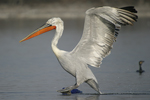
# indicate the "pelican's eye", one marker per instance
pixel 49 24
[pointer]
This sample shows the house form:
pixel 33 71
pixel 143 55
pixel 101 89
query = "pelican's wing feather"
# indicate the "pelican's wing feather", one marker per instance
pixel 100 31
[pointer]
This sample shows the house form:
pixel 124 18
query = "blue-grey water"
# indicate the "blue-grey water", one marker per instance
pixel 30 71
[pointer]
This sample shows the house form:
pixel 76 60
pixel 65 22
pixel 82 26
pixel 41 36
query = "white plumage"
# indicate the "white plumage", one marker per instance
pixel 100 32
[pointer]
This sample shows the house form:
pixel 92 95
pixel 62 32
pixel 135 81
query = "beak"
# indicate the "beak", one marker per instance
pixel 39 31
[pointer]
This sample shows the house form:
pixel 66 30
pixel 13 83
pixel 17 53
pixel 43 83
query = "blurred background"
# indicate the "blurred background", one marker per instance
pixel 30 70
pixel 63 8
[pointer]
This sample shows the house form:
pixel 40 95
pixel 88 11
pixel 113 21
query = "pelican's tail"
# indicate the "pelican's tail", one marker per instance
pixel 93 84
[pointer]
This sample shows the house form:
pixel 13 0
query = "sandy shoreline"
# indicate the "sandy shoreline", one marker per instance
pixel 53 10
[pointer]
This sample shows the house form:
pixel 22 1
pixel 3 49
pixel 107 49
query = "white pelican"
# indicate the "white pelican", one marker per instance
pixel 100 32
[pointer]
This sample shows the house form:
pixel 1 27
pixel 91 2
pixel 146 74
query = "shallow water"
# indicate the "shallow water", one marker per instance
pixel 30 71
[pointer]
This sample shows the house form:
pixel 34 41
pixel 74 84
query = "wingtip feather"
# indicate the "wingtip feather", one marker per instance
pixel 130 8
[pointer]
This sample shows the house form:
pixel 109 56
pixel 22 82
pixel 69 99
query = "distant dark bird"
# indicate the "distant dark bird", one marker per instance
pixel 140 67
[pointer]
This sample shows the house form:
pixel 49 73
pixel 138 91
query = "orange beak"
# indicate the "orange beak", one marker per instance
pixel 39 31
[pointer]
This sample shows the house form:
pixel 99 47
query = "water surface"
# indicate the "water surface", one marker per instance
pixel 30 71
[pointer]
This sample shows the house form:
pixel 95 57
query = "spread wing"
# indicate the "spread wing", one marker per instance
pixel 100 32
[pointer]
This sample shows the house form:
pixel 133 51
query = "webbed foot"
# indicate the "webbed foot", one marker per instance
pixel 67 90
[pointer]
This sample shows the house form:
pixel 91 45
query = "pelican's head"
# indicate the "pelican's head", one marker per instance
pixel 54 21
pixel 49 25
pixel 141 62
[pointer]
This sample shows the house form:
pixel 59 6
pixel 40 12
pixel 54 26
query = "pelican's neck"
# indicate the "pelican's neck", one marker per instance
pixel 58 34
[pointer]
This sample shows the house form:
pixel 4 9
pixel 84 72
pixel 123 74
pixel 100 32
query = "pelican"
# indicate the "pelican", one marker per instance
pixel 99 34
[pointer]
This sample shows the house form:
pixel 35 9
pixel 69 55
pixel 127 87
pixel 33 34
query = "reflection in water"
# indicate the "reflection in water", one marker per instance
pixel 93 97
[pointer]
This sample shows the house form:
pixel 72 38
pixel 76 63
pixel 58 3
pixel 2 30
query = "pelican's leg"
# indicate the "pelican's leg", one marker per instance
pixel 94 85
pixel 68 89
